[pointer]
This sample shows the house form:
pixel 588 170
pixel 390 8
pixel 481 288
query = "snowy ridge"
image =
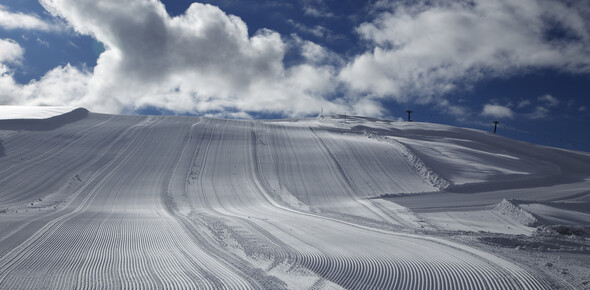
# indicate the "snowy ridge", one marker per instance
pixel 32 112
pixel 429 175
pixel 508 208
pixel 38 118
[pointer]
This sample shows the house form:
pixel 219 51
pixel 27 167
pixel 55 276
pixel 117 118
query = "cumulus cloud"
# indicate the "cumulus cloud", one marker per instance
pixel 10 20
pixel 422 50
pixel 10 51
pixel 497 111
pixel 61 86
pixel 316 54
pixel 203 61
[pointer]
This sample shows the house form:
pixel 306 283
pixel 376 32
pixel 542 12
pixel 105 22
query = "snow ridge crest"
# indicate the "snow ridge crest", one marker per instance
pixel 424 171
pixel 508 208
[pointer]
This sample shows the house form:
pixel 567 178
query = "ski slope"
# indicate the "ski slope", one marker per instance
pixel 110 201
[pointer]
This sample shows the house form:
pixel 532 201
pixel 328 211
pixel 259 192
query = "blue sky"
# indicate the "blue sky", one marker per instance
pixel 466 63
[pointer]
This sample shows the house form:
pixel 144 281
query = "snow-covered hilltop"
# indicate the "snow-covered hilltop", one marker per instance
pixel 109 201
pixel 32 112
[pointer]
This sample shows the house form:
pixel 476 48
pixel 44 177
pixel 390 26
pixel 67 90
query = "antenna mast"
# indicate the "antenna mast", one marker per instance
pixel 495 125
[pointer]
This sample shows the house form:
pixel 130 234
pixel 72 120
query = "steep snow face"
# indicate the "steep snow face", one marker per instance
pixel 185 202
pixel 31 112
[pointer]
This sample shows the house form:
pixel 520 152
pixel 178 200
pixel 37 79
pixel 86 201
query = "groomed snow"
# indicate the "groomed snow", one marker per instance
pixel 108 201
pixel 31 112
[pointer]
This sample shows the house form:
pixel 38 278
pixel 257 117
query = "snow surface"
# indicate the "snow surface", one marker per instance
pixel 109 201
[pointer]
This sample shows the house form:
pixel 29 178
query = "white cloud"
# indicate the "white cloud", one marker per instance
pixel 524 103
pixel 446 107
pixel 315 12
pixel 582 109
pixel 9 20
pixel 312 52
pixel 203 61
pixel 540 112
pixel 548 100
pixel 316 54
pixel 10 51
pixel 497 111
pixel 543 108
pixel 316 8
pixel 368 107
pixel 62 86
pixel 42 42
pixel 421 52
pixel 317 30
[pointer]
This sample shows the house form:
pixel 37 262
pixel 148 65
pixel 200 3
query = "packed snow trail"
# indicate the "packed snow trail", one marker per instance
pixel 188 202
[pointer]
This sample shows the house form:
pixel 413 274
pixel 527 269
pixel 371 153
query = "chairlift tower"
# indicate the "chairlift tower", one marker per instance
pixel 495 125
pixel 409 112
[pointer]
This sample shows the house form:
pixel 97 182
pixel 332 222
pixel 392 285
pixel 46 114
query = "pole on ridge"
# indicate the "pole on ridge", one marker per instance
pixel 409 112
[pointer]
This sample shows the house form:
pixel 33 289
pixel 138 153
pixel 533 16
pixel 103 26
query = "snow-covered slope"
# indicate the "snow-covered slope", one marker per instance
pixel 108 201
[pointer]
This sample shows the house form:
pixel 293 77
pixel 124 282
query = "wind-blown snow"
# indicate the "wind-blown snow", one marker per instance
pixel 107 201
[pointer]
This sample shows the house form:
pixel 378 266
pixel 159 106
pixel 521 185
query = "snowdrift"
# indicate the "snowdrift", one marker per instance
pixel 109 201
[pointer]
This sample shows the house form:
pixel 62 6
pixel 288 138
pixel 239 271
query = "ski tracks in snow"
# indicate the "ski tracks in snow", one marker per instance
pixel 185 203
